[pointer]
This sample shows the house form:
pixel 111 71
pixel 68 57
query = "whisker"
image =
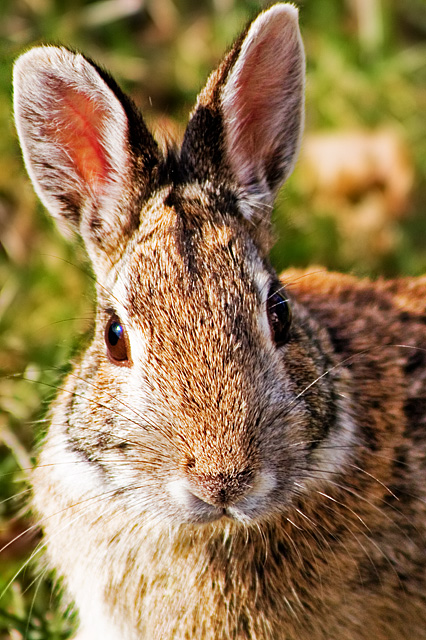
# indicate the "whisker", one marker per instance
pixel 345 506
pixel 146 421
pixel 38 581
pixel 370 475
pixel 15 495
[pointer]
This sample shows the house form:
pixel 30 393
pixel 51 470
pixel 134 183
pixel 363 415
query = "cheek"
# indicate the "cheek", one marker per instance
pixel 68 469
pixel 301 368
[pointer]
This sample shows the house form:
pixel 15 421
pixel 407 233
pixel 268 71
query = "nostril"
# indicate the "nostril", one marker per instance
pixel 189 463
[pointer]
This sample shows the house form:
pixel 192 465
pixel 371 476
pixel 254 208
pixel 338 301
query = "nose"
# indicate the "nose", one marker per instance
pixel 220 489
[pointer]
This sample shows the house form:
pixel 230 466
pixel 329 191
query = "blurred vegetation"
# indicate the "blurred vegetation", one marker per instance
pixel 354 202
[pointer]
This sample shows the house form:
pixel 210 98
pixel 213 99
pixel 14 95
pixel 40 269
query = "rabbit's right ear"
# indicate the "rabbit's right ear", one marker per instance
pixel 247 123
pixel 86 148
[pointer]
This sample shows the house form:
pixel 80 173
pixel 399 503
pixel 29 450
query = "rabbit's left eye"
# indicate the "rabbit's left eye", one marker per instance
pixel 279 316
pixel 116 341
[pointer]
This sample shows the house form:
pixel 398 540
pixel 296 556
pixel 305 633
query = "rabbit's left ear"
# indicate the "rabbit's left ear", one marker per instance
pixel 247 123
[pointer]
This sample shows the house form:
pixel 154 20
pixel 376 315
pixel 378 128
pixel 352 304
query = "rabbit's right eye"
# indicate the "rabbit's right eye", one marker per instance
pixel 279 316
pixel 116 341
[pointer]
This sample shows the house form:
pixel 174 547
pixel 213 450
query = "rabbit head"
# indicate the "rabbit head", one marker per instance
pixel 190 401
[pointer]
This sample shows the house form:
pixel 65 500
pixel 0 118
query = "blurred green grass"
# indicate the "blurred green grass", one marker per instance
pixel 366 70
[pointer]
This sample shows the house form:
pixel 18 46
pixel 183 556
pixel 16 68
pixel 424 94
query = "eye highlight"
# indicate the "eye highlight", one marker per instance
pixel 279 316
pixel 116 341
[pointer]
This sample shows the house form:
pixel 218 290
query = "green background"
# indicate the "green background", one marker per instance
pixel 366 65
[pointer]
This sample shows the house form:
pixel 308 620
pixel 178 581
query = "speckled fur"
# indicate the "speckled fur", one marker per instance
pixel 217 486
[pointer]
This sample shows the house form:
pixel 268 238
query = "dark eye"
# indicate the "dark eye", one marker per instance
pixel 115 339
pixel 279 316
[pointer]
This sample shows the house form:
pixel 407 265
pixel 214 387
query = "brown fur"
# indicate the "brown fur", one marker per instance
pixel 225 479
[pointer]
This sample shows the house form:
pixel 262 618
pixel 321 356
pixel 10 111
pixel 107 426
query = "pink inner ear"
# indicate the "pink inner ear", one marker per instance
pixel 259 92
pixel 81 137
pixel 262 101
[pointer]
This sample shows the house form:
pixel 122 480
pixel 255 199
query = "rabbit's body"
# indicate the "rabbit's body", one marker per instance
pixel 346 561
pixel 234 457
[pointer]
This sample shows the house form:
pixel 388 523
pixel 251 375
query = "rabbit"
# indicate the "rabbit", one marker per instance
pixel 237 455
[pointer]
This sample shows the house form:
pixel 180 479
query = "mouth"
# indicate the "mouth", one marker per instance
pixel 242 509
pixel 207 514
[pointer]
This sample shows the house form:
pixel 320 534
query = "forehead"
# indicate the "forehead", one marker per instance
pixel 194 286
pixel 194 248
